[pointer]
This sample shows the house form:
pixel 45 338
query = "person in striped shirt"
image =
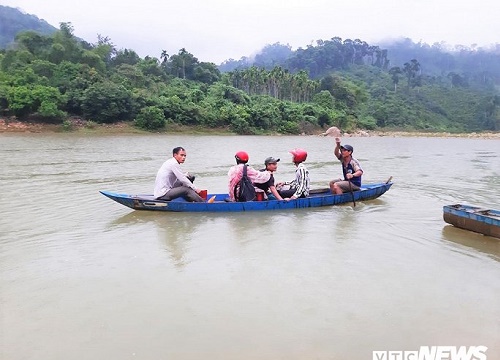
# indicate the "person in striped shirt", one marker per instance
pixel 299 187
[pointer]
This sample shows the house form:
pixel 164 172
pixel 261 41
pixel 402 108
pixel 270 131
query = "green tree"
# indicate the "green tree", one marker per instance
pixel 93 60
pixel 104 48
pixel 66 45
pixel 206 73
pixel 324 99
pixel 20 100
pixel 125 56
pixel 47 101
pixel 107 102
pixel 150 118
pixel 42 101
pixel 395 72
pixel 182 64
pixel 411 70
pixel 34 42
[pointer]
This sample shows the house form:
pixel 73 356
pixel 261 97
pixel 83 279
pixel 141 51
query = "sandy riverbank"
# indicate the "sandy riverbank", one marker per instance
pixel 74 125
pixel 81 126
pixel 482 135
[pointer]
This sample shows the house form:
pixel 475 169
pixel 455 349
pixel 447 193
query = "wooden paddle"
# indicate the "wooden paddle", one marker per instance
pixel 352 194
pixel 319 191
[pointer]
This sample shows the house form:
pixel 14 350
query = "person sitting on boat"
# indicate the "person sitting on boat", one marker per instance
pixel 236 172
pixel 350 167
pixel 268 187
pixel 299 187
pixel 172 183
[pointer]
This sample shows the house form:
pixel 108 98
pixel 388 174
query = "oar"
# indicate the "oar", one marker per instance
pixel 389 180
pixel 319 191
pixel 352 194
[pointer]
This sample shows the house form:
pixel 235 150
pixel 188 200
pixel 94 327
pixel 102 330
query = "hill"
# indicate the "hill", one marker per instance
pixel 346 83
pixel 14 21
pixel 339 54
pixel 401 84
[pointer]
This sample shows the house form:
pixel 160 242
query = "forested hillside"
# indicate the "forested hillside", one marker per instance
pixel 346 83
pixel 404 84
pixel 13 21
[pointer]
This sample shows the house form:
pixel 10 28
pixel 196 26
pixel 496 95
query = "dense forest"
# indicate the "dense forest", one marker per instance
pixel 49 77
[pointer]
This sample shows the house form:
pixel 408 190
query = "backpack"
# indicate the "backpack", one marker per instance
pixel 244 190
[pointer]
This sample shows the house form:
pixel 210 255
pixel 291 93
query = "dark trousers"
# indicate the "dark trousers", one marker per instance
pixel 182 191
pixel 288 193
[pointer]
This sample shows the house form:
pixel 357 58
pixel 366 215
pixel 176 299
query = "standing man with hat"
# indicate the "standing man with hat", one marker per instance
pixel 350 167
pixel 271 166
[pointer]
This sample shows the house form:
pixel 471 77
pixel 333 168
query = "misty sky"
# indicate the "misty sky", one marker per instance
pixel 217 30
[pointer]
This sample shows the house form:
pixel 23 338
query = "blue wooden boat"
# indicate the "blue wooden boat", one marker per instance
pixel 473 218
pixel 317 198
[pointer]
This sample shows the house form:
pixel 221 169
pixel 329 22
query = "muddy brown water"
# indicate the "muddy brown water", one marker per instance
pixel 82 277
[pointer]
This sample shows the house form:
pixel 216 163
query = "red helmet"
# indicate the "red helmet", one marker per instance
pixel 241 157
pixel 299 155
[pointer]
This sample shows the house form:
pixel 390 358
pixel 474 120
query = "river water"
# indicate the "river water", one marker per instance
pixel 83 277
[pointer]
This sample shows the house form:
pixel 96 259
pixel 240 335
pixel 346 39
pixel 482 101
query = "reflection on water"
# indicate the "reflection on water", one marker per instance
pixel 484 244
pixel 83 277
pixel 176 233
pixel 174 230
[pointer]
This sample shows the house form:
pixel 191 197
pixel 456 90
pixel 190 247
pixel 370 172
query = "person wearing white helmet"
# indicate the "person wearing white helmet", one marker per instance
pixel 299 187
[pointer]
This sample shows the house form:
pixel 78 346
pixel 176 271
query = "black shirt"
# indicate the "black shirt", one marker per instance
pixel 265 186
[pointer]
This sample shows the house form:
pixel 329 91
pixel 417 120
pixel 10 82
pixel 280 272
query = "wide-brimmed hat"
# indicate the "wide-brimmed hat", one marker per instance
pixel 271 160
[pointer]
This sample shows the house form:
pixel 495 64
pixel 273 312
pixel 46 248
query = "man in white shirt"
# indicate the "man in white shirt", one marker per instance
pixel 172 183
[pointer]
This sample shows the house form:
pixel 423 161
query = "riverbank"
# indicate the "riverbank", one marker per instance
pixel 77 125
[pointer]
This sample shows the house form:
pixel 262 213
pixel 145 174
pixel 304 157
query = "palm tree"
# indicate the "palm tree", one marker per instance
pixel 411 70
pixel 164 56
pixel 395 72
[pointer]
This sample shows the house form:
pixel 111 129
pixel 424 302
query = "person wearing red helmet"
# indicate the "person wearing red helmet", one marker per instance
pixel 236 172
pixel 300 186
pixel 241 157
pixel 350 167
pixel 172 183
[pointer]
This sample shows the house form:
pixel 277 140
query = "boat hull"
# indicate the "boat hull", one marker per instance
pixel 473 218
pixel 316 199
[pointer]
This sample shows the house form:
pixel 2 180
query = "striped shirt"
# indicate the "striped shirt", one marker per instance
pixel 301 182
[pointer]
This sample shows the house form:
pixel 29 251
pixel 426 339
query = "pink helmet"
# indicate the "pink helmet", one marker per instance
pixel 241 157
pixel 299 155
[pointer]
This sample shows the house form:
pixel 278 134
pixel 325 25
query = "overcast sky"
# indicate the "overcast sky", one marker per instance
pixel 217 30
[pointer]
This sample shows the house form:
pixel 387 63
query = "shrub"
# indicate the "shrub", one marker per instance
pixel 150 118
pixel 367 122
pixel 67 125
